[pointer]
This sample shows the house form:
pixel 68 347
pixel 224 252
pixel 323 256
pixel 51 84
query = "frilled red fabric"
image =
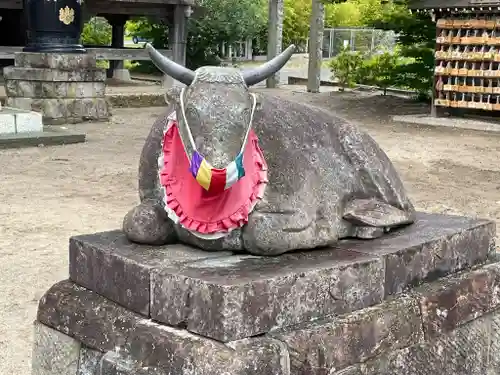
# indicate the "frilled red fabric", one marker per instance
pixel 199 210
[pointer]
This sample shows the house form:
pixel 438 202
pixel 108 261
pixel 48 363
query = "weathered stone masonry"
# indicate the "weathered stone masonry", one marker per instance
pixel 422 300
pixel 65 88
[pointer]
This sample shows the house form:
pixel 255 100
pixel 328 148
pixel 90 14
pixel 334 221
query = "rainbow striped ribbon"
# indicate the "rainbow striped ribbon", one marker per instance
pixel 214 179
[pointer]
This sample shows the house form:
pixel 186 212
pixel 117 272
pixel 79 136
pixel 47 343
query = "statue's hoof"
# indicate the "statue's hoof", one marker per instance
pixel 149 224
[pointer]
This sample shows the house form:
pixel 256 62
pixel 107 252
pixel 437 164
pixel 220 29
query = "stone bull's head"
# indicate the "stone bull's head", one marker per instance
pixel 217 103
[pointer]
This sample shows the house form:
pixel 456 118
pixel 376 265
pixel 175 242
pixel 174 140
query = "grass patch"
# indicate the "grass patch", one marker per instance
pixel 131 65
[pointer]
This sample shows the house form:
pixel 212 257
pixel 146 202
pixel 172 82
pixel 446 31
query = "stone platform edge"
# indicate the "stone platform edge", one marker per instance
pixel 449 326
pixel 228 296
pixel 48 137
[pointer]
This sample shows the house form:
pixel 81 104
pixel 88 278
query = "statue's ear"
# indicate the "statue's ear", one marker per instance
pixel 172 95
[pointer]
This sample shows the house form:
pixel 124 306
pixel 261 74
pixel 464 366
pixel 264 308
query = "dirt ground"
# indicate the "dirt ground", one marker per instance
pixel 51 193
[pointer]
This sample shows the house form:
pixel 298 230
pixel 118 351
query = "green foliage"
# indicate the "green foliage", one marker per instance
pixel 230 21
pixel 356 12
pixel 219 21
pixel 155 31
pixel 412 66
pixel 416 40
pixel 379 70
pixel 296 20
pixel 96 32
pixel 342 15
pixel 347 14
pixel 346 68
pixel 226 21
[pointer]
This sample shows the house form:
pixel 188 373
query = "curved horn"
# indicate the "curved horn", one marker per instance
pixel 266 70
pixel 169 67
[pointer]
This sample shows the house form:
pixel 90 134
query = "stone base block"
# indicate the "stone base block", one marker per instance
pixel 65 110
pixel 422 300
pixel 59 61
pixel 231 296
pixel 14 121
pixel 449 326
pixel 121 74
pixel 65 88
pixel 43 90
pixel 51 75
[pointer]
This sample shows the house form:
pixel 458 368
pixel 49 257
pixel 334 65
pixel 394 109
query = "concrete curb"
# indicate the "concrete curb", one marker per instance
pixel 449 122
pixel 136 100
pixel 292 80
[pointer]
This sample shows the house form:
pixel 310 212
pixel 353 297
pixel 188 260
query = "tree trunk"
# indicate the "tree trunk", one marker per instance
pixel 315 46
pixel 275 29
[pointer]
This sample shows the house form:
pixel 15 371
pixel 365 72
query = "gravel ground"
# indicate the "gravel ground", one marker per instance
pixel 52 193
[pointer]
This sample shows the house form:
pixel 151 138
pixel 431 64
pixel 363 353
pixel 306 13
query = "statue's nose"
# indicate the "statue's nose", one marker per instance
pixel 216 157
pixel 219 161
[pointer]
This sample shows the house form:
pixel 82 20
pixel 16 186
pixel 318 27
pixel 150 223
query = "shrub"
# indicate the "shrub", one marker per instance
pixel 379 70
pixel 416 39
pixel 96 32
pixel 346 68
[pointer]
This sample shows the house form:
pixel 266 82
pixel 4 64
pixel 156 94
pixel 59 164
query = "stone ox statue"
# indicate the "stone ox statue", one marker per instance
pixel 225 169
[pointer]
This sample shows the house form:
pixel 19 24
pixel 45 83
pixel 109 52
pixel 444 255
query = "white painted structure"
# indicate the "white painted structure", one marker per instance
pixel 16 121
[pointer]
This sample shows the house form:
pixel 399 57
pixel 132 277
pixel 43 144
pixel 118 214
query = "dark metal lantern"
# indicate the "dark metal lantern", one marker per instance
pixel 53 26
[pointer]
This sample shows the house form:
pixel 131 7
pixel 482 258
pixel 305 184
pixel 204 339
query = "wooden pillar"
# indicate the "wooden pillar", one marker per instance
pixel 177 38
pixel 275 36
pixel 117 38
pixel 117 22
pixel 315 46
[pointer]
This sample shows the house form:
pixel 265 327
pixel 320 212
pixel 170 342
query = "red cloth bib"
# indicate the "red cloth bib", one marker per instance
pixel 201 211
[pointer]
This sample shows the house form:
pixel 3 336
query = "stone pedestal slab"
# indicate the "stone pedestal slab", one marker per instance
pixel 228 296
pixel 65 88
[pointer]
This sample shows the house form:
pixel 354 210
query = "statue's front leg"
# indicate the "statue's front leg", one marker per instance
pixel 149 224
pixel 279 231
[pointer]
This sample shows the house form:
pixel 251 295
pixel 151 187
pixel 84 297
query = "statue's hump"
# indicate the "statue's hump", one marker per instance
pixel 217 74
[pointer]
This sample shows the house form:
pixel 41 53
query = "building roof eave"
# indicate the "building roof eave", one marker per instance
pixel 440 4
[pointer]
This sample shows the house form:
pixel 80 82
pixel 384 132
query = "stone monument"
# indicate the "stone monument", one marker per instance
pixel 362 285
pixel 38 84
pixel 54 74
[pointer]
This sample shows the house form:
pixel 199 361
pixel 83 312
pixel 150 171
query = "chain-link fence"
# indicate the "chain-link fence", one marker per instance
pixel 369 41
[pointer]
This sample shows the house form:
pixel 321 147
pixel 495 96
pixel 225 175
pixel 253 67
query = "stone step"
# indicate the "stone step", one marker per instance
pixel 448 326
pixel 228 297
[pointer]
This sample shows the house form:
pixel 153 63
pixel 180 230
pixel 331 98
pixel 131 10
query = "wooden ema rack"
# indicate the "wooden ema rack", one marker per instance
pixel 467 70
